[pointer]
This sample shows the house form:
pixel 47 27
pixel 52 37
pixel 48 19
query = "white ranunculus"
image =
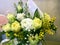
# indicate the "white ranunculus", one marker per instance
pixel 20 16
pixel 27 24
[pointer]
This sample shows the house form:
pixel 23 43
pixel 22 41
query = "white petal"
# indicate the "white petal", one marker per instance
pixel 5 40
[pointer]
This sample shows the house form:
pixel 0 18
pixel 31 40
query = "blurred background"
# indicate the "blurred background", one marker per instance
pixel 52 7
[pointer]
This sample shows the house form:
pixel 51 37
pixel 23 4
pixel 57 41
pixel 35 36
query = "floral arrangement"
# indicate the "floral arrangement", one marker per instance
pixel 27 29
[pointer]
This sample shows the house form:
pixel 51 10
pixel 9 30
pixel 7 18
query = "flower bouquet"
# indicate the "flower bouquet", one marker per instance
pixel 28 30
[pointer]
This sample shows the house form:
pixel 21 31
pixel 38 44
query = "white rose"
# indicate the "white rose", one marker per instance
pixel 27 24
pixel 20 16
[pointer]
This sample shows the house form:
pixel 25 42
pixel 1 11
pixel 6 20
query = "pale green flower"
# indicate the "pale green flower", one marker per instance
pixel 37 23
pixel 11 17
pixel 16 27
pixel 19 8
pixel 6 27
pixel 34 39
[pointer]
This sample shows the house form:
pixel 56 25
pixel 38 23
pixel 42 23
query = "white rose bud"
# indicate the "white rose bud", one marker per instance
pixel 20 16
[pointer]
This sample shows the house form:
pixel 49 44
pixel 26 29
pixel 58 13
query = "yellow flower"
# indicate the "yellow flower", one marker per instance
pixel 7 34
pixel 47 17
pixel 16 27
pixel 46 20
pixel 41 35
pixel 6 27
pixel 49 31
pixel 53 19
pixel 46 24
pixel 37 23
pixel 15 34
pixel 11 17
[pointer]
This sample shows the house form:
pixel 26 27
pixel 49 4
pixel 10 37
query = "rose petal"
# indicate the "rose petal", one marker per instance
pixel 3 20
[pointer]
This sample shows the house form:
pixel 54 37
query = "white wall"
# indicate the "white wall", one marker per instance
pixel 7 6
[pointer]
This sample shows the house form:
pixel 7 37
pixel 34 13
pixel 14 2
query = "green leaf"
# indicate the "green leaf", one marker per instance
pixel 36 14
pixel 11 35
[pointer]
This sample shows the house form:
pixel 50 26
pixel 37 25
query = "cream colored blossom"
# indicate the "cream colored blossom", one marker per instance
pixel 20 16
pixel 6 27
pixel 27 24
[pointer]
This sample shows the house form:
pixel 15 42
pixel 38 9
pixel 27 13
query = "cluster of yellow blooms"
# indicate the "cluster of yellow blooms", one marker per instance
pixel 41 35
pixel 46 23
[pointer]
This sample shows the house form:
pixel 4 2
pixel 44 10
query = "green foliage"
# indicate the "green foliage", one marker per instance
pixel 36 14
pixel 11 35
